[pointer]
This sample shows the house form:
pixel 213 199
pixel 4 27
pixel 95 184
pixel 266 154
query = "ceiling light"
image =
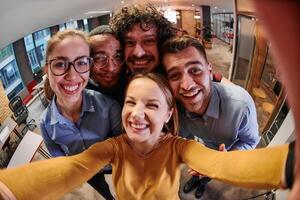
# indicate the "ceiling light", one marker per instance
pixel 216 7
pixel 97 12
pixel 122 2
pixel 193 5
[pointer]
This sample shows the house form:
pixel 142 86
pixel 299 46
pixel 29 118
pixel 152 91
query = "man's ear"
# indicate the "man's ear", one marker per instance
pixel 210 70
pixel 209 66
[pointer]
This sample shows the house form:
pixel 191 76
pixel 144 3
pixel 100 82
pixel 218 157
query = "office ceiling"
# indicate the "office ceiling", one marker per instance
pixel 21 17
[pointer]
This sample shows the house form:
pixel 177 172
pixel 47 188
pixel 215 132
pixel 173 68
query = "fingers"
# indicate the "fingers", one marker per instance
pixel 193 172
pixel 222 147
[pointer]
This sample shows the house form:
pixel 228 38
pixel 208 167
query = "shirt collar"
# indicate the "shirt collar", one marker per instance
pixel 57 117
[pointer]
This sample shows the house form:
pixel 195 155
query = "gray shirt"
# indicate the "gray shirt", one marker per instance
pixel 230 119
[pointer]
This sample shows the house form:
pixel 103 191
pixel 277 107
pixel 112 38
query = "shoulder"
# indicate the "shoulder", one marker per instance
pixel 99 99
pixel 232 94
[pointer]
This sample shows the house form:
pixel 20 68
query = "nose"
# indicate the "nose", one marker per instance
pixel 138 112
pixel 111 66
pixel 187 82
pixel 138 51
pixel 71 73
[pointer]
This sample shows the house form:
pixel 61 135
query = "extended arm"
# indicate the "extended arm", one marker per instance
pixel 241 168
pixel 50 179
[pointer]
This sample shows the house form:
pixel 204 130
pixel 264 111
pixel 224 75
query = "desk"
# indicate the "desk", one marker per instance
pixel 25 151
pixel 5 133
pixel 11 126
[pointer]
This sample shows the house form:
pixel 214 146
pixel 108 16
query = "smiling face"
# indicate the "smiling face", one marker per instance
pixel 106 44
pixel 68 87
pixel 189 76
pixel 145 111
pixel 141 50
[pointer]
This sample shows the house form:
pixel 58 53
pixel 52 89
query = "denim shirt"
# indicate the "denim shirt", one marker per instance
pixel 230 119
pixel 100 118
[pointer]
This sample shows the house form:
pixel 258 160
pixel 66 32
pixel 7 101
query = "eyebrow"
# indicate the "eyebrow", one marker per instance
pixel 150 100
pixel 97 52
pixel 146 36
pixel 185 65
pixel 67 59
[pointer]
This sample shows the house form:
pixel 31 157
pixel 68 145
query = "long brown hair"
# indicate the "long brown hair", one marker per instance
pixel 52 43
pixel 172 125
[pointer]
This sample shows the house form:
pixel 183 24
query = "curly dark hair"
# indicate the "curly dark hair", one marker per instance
pixel 145 15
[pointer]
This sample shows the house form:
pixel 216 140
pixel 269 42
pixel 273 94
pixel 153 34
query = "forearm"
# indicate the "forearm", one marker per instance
pixel 50 179
pixel 258 169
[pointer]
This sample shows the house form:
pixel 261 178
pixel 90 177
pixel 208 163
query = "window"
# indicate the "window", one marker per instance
pixel 33 60
pixel 41 38
pixel 62 27
pixel 31 52
pixel 6 52
pixel 72 25
pixel 86 25
pixel 10 76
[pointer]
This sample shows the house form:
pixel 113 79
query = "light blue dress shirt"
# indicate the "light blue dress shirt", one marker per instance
pixel 100 118
pixel 230 119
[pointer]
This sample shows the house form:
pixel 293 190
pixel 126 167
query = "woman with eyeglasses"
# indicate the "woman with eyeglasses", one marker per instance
pixel 76 117
pixel 107 74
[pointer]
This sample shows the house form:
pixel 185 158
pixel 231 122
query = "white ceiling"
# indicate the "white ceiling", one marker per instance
pixel 21 17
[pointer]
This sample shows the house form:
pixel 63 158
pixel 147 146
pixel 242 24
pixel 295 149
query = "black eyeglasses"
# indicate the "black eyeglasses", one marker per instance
pixel 101 59
pixel 60 66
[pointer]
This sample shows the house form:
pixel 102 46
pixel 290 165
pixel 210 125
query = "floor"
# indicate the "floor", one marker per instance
pixel 220 57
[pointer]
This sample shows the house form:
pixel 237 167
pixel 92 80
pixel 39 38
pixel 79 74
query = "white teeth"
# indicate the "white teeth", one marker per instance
pixel 138 126
pixel 71 88
pixel 190 94
pixel 140 62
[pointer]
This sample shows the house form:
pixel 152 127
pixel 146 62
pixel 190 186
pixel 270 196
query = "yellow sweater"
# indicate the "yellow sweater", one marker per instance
pixel 152 176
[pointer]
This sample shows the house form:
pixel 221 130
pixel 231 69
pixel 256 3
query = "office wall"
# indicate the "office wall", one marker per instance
pixel 188 21
pixel 4 108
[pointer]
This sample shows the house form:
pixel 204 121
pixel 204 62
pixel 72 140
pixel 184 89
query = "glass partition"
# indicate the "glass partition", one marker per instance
pixel 244 50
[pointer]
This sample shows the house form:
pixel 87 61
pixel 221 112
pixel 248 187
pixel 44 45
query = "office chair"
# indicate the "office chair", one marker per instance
pixel 20 113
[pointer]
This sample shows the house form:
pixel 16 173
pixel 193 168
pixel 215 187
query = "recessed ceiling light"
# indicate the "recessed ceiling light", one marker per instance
pixel 122 2
pixel 97 12
pixel 216 7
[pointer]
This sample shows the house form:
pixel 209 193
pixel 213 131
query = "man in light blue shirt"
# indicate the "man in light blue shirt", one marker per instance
pixel 222 116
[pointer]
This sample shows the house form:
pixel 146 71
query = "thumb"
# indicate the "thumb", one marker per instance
pixel 222 147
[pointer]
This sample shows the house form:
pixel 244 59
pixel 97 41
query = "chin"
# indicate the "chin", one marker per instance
pixel 135 137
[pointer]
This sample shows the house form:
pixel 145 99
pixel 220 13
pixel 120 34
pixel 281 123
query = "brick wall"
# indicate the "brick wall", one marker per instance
pixel 4 108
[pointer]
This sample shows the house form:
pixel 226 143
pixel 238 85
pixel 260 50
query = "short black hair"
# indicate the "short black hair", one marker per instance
pixel 177 44
pixel 101 30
